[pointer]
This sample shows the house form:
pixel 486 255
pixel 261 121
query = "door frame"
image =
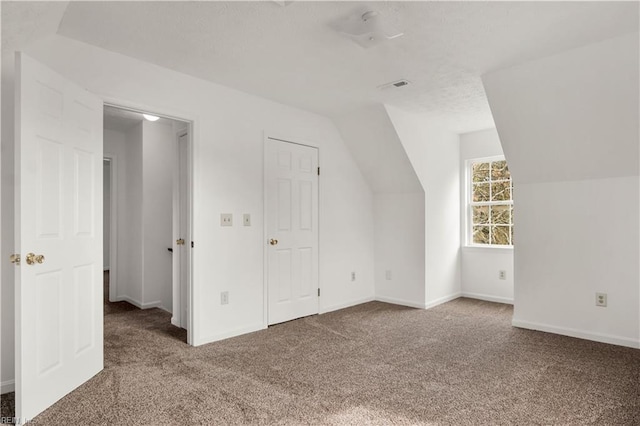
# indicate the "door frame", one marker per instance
pixel 192 129
pixel 265 247
pixel 113 226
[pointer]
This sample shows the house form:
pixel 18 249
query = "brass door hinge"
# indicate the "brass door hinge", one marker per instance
pixel 15 259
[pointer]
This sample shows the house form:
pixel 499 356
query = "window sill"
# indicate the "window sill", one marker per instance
pixel 487 247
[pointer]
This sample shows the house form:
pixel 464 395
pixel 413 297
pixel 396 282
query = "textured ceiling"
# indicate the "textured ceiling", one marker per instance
pixel 291 54
pixel 23 23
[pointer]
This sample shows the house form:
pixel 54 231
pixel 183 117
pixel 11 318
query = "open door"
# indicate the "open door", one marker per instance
pixel 59 324
pixel 181 234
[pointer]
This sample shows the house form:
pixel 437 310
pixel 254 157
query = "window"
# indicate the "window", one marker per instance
pixel 490 199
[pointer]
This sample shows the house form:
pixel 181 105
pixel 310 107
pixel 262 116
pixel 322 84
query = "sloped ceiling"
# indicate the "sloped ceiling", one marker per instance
pixel 374 143
pixel 292 55
pixel 571 116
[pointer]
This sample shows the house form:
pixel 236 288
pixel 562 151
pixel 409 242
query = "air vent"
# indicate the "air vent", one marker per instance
pixel 399 83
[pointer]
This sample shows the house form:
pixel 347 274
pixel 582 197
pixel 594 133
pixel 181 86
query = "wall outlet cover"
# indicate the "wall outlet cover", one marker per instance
pixel 226 219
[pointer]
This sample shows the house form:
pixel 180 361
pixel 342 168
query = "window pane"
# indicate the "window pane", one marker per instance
pixel 501 215
pixel 511 223
pixel 501 191
pixel 480 172
pixel 480 214
pixel 512 240
pixel 481 192
pixel 500 235
pixel 481 235
pixel 499 170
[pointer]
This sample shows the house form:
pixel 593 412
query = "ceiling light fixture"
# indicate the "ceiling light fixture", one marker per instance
pixel 368 30
pixel 150 117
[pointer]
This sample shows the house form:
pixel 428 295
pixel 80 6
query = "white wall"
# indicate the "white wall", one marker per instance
pixel 145 161
pixel 481 265
pixel 106 213
pixel 228 159
pixel 579 238
pixel 127 147
pixel 398 204
pixel 158 162
pixel 400 248
pixel 435 156
pixel 569 128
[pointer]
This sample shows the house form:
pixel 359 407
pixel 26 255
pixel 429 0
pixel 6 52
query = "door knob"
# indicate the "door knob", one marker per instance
pixel 273 242
pixel 33 258
pixel 15 259
pixel 180 242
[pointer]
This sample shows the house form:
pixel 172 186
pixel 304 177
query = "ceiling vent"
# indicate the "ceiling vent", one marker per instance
pixel 395 84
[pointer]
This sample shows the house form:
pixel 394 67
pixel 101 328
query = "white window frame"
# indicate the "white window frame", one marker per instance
pixel 469 203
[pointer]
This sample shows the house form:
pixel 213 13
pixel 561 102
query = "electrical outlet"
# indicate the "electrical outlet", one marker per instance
pixel 224 298
pixel 353 276
pixel 226 219
pixel 387 275
pixel 502 275
pixel 601 299
pixel 246 219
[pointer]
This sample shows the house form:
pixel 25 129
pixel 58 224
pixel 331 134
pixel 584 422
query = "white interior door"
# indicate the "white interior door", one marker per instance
pixel 182 243
pixel 291 176
pixel 59 325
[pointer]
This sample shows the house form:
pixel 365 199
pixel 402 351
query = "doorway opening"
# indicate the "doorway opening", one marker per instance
pixel 147 210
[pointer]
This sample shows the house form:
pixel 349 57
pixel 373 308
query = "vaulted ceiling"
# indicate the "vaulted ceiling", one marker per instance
pixel 293 55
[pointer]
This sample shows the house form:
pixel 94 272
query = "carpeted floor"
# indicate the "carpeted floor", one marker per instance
pixel 460 363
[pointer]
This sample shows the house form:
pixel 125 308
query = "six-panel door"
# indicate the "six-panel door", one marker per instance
pixel 292 229
pixel 59 322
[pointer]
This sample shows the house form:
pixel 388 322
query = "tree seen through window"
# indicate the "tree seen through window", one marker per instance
pixel 491 203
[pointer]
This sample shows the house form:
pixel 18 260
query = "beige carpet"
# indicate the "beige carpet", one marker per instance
pixel 460 363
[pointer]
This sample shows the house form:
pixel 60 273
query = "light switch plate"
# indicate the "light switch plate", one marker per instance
pixel 226 219
pixel 246 219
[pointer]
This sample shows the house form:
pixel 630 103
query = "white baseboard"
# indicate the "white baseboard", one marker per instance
pixel 8 386
pixel 156 304
pixel 325 309
pixel 488 298
pixel 128 299
pixel 580 334
pixel 227 334
pixel 138 304
pixel 442 300
pixel 400 302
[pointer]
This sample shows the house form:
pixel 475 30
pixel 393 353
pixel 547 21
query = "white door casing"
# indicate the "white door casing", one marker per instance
pixel 59 312
pixel 291 184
